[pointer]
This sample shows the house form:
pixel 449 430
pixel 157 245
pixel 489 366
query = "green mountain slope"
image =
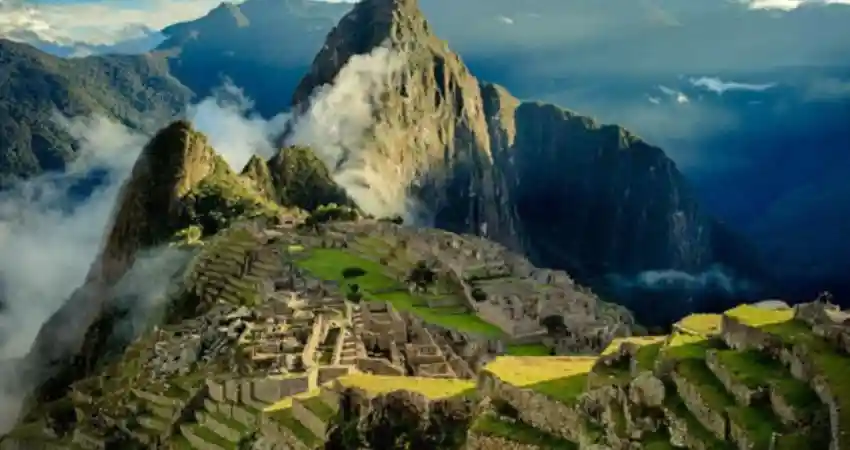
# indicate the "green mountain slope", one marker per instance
pixel 135 90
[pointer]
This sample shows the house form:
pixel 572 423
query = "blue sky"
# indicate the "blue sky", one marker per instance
pixel 109 21
pixel 95 21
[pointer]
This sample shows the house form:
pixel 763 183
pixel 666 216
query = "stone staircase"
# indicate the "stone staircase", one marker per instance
pixel 350 348
pixel 303 420
pixel 753 385
pixel 161 411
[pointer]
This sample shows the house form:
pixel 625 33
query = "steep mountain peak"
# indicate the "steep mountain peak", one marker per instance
pixel 257 170
pixel 169 167
pixel 301 180
pixel 568 191
pixel 427 125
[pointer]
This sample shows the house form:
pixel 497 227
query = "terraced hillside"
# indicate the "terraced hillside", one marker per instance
pixel 366 334
pixel 266 312
pixel 751 378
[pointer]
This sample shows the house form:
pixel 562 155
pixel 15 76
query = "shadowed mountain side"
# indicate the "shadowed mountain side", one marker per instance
pixel 136 90
pixel 573 194
pixel 262 45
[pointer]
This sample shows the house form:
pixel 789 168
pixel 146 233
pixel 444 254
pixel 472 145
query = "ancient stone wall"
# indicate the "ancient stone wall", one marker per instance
pixel 812 313
pixel 477 441
pixel 712 420
pixel 379 366
pixel 338 346
pixel 742 393
pixel 259 390
pixel 838 437
pixel 534 408
pixel 331 373
pixel 742 337
pixel 308 356
pixel 308 418
pixel 495 314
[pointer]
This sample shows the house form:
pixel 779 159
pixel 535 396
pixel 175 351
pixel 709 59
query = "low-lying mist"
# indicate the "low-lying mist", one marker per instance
pixel 338 123
pixel 661 297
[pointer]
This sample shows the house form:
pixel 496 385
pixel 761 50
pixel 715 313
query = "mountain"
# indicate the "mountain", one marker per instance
pixel 262 46
pixel 609 62
pixel 594 200
pixel 215 316
pixel 137 40
pixel 177 182
pixel 135 90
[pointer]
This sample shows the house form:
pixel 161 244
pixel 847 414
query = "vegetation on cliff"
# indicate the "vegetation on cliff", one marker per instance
pixel 301 180
pixel 135 90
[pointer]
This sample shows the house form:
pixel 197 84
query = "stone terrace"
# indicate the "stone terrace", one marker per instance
pixel 751 379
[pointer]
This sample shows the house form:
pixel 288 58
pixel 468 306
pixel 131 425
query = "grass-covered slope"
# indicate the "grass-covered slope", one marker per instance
pixel 34 86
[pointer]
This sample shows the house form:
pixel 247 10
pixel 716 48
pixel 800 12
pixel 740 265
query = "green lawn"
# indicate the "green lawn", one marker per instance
pixel 561 378
pixel 713 393
pixel 329 264
pixel 528 350
pixel 694 429
pixel 450 317
pixel 758 423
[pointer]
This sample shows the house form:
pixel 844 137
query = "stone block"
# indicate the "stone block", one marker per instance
pixel 267 390
pixel 231 390
pixel 216 390
pixel 244 416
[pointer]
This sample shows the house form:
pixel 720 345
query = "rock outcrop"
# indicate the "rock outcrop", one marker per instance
pixel 301 180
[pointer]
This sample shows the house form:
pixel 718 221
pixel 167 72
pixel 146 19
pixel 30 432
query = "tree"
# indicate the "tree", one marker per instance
pixel 354 293
pixel 479 295
pixel 422 276
pixel 554 323
pixel 353 272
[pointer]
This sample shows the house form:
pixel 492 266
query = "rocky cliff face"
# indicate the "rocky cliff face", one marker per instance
pixel 573 194
pixel 433 93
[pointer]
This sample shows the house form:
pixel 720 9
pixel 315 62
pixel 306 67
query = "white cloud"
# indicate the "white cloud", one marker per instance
pixel 719 86
pixel 232 129
pixel 787 5
pixel 506 19
pixel 96 22
pixel 678 97
pixel 337 126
